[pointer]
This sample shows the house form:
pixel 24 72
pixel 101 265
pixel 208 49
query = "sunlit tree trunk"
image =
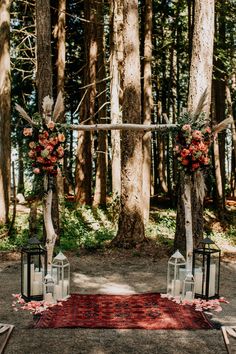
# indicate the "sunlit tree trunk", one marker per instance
pixel 131 224
pixel 233 128
pixel 101 170
pixel 84 150
pixel 5 111
pixel 147 108
pixel 61 61
pixel 199 90
pixel 116 47
pixel 218 114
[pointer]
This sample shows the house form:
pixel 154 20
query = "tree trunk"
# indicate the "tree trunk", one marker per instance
pixel 61 60
pixel 101 171
pixel 5 111
pixel 20 183
pixel 44 88
pixel 43 55
pixel 218 114
pixel 233 164
pixel 131 224
pixel 199 98
pixel 116 46
pixel 83 179
pixel 147 108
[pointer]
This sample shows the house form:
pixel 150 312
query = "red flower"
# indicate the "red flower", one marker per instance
pixel 185 162
pixel 184 153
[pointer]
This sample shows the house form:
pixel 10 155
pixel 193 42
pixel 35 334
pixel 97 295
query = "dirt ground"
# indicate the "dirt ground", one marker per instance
pixel 112 272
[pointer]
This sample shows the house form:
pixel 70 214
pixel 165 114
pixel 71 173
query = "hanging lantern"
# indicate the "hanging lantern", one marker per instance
pixel 175 274
pixel 48 293
pixel 206 269
pixel 33 270
pixel 188 287
pixel 61 276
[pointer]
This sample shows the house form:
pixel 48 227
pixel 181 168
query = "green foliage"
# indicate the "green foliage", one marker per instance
pixel 19 235
pixel 161 227
pixel 85 228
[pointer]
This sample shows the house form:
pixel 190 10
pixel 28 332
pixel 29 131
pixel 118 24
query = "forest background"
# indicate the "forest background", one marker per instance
pixel 78 48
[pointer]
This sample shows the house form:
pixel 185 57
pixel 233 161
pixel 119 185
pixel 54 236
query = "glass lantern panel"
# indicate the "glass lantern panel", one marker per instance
pixel 188 287
pixel 176 276
pixel 213 276
pixel 24 274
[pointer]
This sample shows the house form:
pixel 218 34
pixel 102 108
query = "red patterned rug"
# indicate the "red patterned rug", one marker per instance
pixel 144 311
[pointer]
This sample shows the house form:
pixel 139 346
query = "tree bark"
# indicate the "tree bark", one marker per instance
pixel 116 58
pixel 199 100
pixel 5 111
pixel 147 108
pixel 131 224
pixel 101 168
pixel 43 53
pixel 61 61
pixel 44 88
pixel 83 178
pixel 233 164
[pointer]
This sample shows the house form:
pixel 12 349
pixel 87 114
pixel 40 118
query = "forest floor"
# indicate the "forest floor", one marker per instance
pixel 110 271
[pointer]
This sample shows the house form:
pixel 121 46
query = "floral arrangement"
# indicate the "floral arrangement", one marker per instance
pixel 45 138
pixel 46 147
pixel 192 146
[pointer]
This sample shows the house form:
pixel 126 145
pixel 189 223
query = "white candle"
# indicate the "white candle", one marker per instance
pixel 25 280
pixel 48 297
pixel 189 295
pixel 212 283
pixel 66 288
pixel 31 277
pixel 57 292
pixel 38 276
pixel 198 281
pixel 36 288
pixel 176 286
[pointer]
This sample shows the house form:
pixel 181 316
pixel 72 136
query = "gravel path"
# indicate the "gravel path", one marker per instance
pixel 110 272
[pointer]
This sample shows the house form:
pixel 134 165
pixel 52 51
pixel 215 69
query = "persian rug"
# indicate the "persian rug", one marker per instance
pixel 143 311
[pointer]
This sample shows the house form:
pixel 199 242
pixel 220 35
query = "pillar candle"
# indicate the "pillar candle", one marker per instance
pixel 188 295
pixel 57 292
pixel 31 276
pixel 38 276
pixel 176 286
pixel 36 288
pixel 49 298
pixel 212 283
pixel 198 280
pixel 25 280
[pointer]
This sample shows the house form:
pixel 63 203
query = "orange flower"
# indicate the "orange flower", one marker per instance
pixel 61 137
pixel 185 152
pixel 51 125
pixel 28 131
pixel 196 134
pixel 185 162
pixel 36 171
pixel 31 154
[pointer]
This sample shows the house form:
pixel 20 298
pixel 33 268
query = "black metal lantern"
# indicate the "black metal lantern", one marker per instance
pixel 33 270
pixel 206 269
